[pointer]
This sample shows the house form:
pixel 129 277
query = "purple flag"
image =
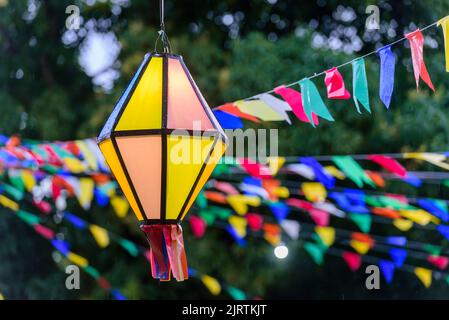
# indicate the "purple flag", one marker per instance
pixel 387 62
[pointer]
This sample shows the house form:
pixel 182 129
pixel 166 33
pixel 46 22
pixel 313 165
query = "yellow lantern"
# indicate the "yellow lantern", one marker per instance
pixel 162 142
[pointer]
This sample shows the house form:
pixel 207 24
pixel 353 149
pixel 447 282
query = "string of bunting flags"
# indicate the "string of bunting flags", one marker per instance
pixel 277 200
pixel 307 104
pixel 102 237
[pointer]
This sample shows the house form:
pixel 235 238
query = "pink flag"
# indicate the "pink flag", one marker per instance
pixel 44 231
pixel 416 40
pixel 255 169
pixel 353 260
pixel 198 226
pixel 389 163
pixel 255 221
pixel 294 99
pixel 320 217
pixel 335 85
pixel 438 261
pixel 300 204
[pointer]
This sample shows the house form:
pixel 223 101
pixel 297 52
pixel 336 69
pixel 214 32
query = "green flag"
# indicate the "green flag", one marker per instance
pixel 360 85
pixel 312 102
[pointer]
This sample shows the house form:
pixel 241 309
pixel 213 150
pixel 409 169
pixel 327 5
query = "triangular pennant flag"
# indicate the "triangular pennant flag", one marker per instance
pixel 120 205
pixel 228 121
pixel 129 246
pixel 335 85
pixel 291 228
pixel 279 106
pixel 352 170
pixel 280 210
pixel 353 260
pixel 444 230
pixel 255 221
pixel 389 163
pixel 326 235
pixel 398 256
pixel 424 275
pixel 294 99
pixel 387 64
pixel 302 169
pixel 100 235
pixel 312 101
pixel 360 246
pixel 198 226
pixel 314 191
pixel 363 221
pixel 275 163
pixel 321 175
pixel 320 217
pixel 387 269
pixel 438 261
pixel 238 224
pixel 333 171
pixel 403 224
pixel 233 110
pixel 77 259
pixel 360 85
pixel 240 202
pixel 416 40
pixel 259 109
pixel 211 284
pixel 315 251
pixel 444 24
pixel 236 293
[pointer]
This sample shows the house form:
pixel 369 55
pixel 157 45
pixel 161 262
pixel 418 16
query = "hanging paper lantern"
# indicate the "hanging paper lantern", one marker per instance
pixel 162 142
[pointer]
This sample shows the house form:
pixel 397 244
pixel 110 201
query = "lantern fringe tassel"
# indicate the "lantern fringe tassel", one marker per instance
pixel 167 254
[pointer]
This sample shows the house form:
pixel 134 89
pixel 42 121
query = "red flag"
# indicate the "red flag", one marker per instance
pixel 416 40
pixel 335 85
pixel 353 260
pixel 294 99
pixel 389 163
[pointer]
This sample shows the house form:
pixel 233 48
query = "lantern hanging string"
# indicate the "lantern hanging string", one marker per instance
pixel 317 74
pixel 162 35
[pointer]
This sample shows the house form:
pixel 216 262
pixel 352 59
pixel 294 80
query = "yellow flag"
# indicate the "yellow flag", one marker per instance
pixel 273 239
pixel 444 23
pixel 238 224
pixel 425 275
pixel 86 192
pixel 87 154
pixel 282 192
pixel 333 171
pixel 326 234
pixel 100 235
pixel 275 163
pixel 240 202
pixel 259 109
pixel 403 224
pixel 212 284
pixel 2 297
pixel 419 216
pixel 28 179
pixel 74 165
pixel 120 205
pixel 360 246
pixel 8 203
pixel 77 259
pixel 314 191
pixel 433 158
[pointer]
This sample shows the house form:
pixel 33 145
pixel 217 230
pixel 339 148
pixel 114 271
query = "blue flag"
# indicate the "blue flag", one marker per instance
pixel 387 63
pixel 320 174
pixel 398 256
pixel 387 269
